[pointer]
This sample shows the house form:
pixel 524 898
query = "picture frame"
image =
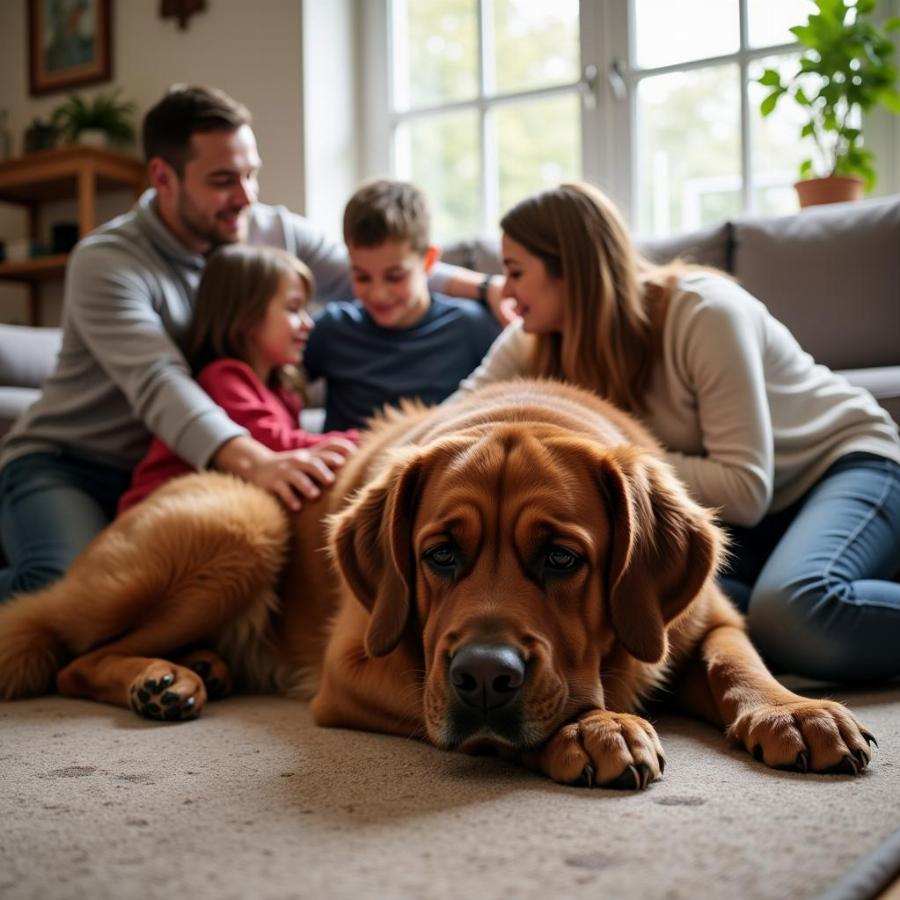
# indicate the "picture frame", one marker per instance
pixel 69 44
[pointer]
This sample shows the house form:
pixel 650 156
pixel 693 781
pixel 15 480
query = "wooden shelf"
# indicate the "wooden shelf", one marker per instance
pixel 40 268
pixel 61 174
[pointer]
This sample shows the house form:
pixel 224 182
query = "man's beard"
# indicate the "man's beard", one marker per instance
pixel 193 222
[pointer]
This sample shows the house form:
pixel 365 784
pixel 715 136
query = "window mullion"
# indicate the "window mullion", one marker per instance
pixel 747 193
pixel 489 175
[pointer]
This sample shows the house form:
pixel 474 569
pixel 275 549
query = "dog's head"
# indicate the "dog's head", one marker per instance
pixel 521 558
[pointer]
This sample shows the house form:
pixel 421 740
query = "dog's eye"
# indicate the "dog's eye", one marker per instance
pixel 442 556
pixel 561 560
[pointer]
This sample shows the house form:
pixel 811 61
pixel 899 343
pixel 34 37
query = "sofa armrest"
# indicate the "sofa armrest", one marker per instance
pixel 882 382
pixel 27 355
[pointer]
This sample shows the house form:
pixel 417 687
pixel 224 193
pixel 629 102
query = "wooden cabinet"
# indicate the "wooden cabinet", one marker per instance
pixel 65 173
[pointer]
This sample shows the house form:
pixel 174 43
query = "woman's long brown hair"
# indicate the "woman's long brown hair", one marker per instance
pixel 610 334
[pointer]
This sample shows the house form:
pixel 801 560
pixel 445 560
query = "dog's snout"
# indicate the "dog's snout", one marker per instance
pixel 487 677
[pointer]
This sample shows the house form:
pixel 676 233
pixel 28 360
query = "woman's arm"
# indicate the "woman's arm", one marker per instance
pixel 507 358
pixel 719 346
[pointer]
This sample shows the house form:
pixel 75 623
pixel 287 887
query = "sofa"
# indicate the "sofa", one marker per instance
pixel 831 274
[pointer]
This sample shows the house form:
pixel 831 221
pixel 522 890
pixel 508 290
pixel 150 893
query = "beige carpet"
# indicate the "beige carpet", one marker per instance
pixel 253 801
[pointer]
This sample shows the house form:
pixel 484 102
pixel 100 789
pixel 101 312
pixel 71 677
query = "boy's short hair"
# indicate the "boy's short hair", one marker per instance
pixel 386 210
pixel 184 111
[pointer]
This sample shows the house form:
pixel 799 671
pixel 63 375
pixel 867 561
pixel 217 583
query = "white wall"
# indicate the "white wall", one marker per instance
pixel 249 48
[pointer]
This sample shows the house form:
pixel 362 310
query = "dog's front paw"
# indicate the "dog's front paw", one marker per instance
pixel 167 692
pixel 805 736
pixel 604 749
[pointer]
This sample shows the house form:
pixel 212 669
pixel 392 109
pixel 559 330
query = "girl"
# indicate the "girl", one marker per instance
pixel 803 467
pixel 246 340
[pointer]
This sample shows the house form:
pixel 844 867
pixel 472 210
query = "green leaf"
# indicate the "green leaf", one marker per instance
pixel 768 103
pixel 806 168
pixel 770 78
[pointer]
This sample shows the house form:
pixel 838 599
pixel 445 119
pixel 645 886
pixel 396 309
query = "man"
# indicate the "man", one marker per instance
pixel 120 375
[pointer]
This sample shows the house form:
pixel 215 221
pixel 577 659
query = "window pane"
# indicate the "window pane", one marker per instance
pixel 536 43
pixel 776 146
pixel 538 144
pixel 435 51
pixel 689 149
pixel 440 154
pixel 667 32
pixel 769 20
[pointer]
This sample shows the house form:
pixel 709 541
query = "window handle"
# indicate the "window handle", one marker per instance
pixel 616 78
pixel 588 85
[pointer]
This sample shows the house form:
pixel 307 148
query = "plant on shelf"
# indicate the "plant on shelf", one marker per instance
pixel 845 69
pixel 104 113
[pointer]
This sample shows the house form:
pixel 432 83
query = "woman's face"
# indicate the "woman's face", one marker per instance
pixel 539 296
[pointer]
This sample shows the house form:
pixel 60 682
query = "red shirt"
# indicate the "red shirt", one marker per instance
pixel 270 416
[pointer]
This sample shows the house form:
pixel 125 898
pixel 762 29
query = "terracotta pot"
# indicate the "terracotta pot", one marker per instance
pixel 833 189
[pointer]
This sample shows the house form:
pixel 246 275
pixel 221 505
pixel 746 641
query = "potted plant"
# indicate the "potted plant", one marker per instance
pixel 103 120
pixel 845 70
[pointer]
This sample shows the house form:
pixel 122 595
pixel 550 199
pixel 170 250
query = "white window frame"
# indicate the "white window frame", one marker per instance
pixel 609 112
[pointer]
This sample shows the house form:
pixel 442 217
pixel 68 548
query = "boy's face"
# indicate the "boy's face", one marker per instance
pixel 391 281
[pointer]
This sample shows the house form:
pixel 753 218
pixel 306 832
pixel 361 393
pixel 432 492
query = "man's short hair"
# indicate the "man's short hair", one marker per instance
pixel 385 210
pixel 184 111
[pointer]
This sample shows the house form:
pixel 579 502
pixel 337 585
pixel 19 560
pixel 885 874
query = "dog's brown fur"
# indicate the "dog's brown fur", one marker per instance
pixel 530 527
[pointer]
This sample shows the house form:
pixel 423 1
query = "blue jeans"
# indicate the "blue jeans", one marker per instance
pixel 814 579
pixel 51 507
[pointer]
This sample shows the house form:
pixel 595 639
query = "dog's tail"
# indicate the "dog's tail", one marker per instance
pixel 31 650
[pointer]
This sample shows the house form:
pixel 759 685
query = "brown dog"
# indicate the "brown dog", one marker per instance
pixel 519 570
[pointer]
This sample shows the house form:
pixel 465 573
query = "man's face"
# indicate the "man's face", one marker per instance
pixel 209 204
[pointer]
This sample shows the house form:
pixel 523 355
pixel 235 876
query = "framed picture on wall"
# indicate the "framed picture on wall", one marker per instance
pixel 69 44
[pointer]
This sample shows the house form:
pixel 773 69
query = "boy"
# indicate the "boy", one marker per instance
pixel 396 339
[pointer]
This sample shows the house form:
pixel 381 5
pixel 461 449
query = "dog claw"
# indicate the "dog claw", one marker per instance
pixel 862 758
pixel 661 761
pixel 586 779
pixel 757 752
pixel 847 766
pixel 802 762
pixel 870 738
pixel 629 780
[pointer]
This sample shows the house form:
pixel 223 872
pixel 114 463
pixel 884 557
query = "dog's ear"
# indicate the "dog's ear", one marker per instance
pixel 371 542
pixel 664 548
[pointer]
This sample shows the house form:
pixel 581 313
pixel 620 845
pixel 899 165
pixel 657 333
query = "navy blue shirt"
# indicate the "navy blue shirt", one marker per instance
pixel 366 366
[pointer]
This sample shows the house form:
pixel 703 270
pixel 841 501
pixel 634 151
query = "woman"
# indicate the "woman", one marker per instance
pixel 803 467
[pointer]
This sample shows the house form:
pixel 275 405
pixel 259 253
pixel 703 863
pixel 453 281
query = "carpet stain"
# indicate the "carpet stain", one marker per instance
pixel 71 772
pixel 680 801
pixel 142 778
pixel 593 861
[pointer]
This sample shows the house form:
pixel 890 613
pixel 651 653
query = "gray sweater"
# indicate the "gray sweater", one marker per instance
pixel 120 374
pixel 748 419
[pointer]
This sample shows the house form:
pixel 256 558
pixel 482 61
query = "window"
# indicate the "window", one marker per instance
pixel 655 101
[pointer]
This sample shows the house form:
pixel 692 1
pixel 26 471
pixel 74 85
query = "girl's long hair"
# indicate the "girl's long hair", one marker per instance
pixel 233 297
pixel 609 338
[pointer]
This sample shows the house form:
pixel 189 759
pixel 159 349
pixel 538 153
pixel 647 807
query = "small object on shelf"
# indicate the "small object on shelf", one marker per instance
pixel 39 136
pixel 63 236
pixel 5 136
pixel 103 120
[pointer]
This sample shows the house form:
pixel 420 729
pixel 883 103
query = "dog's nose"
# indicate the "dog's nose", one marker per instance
pixel 486 676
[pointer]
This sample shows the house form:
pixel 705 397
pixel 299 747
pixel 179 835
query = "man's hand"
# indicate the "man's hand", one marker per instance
pixel 503 308
pixel 289 474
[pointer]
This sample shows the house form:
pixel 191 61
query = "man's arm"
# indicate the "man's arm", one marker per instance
pixel 115 303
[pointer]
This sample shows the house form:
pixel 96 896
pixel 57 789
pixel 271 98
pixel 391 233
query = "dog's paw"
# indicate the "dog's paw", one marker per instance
pixel 167 692
pixel 212 669
pixel 805 736
pixel 604 749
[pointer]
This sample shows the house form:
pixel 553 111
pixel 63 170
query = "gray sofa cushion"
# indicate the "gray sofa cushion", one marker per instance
pixel 807 269
pixel 709 247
